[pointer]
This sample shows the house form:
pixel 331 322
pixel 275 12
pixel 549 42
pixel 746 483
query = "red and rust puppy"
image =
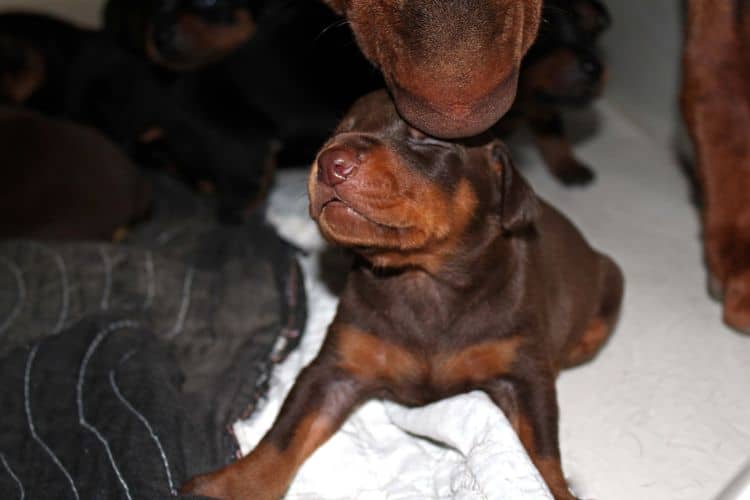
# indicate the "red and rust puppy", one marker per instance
pixel 451 65
pixel 716 107
pixel 466 280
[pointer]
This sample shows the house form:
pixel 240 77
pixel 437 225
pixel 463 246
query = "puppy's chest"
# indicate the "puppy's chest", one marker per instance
pixel 420 372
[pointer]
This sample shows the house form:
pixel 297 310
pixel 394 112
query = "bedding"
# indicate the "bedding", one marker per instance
pixel 124 365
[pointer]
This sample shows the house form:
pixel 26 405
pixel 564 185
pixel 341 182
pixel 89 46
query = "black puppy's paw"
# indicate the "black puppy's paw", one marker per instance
pixel 574 173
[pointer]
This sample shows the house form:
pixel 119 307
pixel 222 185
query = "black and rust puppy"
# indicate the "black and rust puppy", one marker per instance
pixel 62 70
pixel 182 35
pixel 466 280
pixel 562 70
pixel 59 180
pixel 292 62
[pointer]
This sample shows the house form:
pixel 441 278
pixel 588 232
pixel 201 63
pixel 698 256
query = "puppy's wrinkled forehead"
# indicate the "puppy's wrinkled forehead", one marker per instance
pixel 373 114
pixel 373 122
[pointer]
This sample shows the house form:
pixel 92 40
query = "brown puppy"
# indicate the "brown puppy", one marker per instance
pixel 716 107
pixel 451 65
pixel 466 281
pixel 59 180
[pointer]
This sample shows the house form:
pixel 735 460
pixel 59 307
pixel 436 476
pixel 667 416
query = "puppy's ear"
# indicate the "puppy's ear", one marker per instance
pixel 518 204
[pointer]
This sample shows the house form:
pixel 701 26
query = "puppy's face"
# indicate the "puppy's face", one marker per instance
pixel 563 66
pixel 187 34
pixel 451 65
pixel 401 198
pixel 565 76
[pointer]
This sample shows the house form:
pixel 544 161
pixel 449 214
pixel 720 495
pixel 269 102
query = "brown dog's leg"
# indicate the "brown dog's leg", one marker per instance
pixel 548 131
pixel 317 405
pixel 531 407
pixel 716 107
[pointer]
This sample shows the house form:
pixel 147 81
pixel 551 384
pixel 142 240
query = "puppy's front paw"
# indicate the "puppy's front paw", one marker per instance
pixel 207 485
pixel 235 483
pixel 574 173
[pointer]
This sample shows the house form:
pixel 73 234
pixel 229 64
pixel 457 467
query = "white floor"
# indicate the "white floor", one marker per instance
pixel 663 412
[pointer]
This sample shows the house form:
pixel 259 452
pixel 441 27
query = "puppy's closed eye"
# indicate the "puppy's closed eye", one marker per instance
pixel 415 134
pixel 416 137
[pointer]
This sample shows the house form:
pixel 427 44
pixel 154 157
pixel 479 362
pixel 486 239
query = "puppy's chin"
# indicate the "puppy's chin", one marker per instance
pixel 343 225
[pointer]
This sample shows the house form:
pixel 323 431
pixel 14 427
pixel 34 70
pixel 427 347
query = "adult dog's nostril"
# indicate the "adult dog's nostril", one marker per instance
pixel 336 164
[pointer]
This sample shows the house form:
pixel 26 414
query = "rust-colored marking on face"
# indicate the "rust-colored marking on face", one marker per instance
pixel 205 42
pixel 19 86
pixel 209 37
pixel 408 219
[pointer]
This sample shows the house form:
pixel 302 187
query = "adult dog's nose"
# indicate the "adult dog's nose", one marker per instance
pixel 336 164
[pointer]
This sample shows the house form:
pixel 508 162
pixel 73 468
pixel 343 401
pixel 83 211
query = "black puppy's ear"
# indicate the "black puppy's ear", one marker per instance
pixel 518 204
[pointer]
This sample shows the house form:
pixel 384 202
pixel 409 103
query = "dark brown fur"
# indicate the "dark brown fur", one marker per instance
pixel 63 181
pixel 466 280
pixel 716 107
pixel 451 65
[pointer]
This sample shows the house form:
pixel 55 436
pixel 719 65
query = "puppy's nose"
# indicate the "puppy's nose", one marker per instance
pixel 336 164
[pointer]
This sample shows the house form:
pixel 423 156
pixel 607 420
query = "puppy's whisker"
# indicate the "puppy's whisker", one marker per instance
pixel 336 24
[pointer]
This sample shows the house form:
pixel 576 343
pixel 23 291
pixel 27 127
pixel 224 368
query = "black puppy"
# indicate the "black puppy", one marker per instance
pixel 292 62
pixel 61 70
pixel 562 69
